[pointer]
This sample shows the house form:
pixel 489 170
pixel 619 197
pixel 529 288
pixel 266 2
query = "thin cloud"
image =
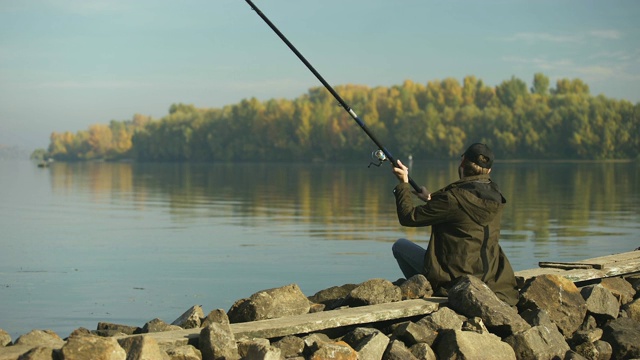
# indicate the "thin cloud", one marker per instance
pixel 596 71
pixel 85 8
pixel 539 63
pixel 606 34
pixel 546 37
pixel 92 85
pixel 542 37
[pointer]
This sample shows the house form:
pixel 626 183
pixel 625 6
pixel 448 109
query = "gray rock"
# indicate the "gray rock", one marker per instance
pixel 475 324
pixel 190 319
pixel 44 338
pixel 600 302
pixel 559 297
pixel 539 342
pixel 216 316
pixel 397 351
pixel 423 351
pixel 588 350
pixel 605 351
pixel 260 351
pixel 582 336
pixel 332 297
pixel 244 344
pixel 589 323
pixel 81 331
pixel 123 329
pixel 572 355
pixel 142 348
pixel 313 341
pixel 416 287
pixel 217 341
pixel 458 344
pixel 620 288
pixel 270 304
pixel 290 346
pixel 372 346
pixel 5 338
pixel 633 309
pixel 471 297
pixel 623 335
pixel 372 292
pixel 338 350
pixel 38 353
pixel 357 335
pixel 635 284
pixel 443 318
pixel 184 352
pixel 412 333
pixel 157 325
pixel 537 317
pixel 91 347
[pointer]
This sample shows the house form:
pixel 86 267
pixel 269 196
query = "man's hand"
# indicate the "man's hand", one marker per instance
pixel 401 172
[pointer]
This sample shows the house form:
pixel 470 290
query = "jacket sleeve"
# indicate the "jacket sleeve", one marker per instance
pixel 434 211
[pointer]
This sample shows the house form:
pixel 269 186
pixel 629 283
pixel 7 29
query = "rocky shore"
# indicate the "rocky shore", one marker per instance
pixel 554 319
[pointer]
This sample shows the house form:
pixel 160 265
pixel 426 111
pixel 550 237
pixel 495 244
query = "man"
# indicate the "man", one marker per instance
pixel 465 228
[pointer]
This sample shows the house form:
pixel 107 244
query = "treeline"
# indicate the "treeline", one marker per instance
pixel 434 121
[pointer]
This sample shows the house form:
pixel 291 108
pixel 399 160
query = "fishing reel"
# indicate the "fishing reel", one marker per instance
pixel 378 155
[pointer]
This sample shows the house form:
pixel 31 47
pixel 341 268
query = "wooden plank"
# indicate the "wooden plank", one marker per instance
pixel 600 267
pixel 307 323
pixel 568 265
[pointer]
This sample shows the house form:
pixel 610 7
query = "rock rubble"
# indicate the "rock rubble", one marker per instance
pixel 553 320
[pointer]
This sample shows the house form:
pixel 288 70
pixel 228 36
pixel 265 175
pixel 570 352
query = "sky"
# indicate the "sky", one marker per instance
pixel 68 64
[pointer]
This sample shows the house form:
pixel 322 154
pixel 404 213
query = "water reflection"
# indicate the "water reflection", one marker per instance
pixel 563 202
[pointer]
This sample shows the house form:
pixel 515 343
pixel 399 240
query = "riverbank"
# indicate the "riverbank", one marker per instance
pixel 378 319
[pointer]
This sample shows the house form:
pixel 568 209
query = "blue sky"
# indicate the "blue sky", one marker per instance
pixel 65 65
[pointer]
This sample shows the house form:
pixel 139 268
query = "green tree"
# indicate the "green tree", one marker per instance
pixel 540 84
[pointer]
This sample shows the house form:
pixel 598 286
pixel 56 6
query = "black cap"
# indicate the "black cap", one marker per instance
pixel 473 154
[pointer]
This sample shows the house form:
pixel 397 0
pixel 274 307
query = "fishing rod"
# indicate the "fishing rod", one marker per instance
pixel 382 154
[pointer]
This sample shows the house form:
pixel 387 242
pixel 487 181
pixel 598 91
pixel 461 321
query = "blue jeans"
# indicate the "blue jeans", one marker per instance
pixel 410 257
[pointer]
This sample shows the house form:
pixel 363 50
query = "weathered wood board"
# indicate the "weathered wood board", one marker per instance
pixel 588 269
pixel 307 323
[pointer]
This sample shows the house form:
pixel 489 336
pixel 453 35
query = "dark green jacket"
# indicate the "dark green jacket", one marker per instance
pixel 465 228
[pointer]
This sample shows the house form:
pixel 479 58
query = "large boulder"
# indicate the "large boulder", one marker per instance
pixel 217 341
pixel 443 318
pixel 398 351
pixel 142 348
pixel 633 309
pixel 458 344
pixel 45 338
pixel 416 287
pixel 620 288
pixel 471 297
pixel 270 304
pixel 5 338
pixel 332 297
pixel 158 325
pixel 624 336
pixel 539 342
pixel 190 319
pixel 559 297
pixel 106 327
pixel 600 302
pixel 338 350
pixel 92 347
pixel 372 292
pixel 411 333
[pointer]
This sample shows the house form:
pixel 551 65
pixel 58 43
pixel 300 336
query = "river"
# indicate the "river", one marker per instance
pixel 129 242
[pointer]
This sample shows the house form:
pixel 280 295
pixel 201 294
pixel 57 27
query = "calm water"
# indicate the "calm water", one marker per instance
pixel 88 242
